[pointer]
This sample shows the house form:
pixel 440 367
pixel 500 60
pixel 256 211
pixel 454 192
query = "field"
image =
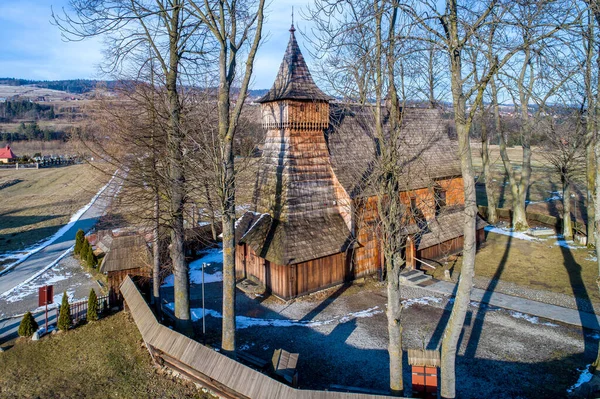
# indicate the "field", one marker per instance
pixel 104 359
pixel 545 192
pixel 539 265
pixel 35 203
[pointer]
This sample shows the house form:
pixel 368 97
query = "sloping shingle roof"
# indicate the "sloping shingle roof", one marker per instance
pixel 445 227
pixel 426 152
pixel 126 253
pixel 293 80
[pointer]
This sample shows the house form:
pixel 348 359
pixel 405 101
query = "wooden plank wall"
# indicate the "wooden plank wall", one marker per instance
pixel 216 372
pixel 367 257
pixel 449 247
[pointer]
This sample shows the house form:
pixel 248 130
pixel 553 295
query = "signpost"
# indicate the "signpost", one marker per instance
pixel 46 297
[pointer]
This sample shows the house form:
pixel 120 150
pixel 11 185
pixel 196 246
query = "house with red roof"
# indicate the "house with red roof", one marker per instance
pixel 6 155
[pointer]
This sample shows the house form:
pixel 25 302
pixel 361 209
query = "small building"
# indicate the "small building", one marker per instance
pixel 6 155
pixel 127 256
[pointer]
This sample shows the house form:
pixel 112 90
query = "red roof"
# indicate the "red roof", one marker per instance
pixel 7 153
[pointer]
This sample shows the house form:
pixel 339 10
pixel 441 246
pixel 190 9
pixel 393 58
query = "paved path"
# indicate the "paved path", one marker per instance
pixel 527 306
pixel 38 261
pixel 9 327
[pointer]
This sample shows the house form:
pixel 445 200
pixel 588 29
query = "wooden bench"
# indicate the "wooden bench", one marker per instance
pixel 284 366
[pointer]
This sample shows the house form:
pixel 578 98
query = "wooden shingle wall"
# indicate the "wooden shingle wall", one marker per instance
pixel 218 373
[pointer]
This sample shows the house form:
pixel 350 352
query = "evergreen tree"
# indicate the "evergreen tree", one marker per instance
pixel 92 308
pixel 28 325
pixel 85 248
pixel 79 238
pixel 91 259
pixel 64 317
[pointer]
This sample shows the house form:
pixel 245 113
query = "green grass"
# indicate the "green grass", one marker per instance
pixel 537 265
pixel 42 201
pixel 104 359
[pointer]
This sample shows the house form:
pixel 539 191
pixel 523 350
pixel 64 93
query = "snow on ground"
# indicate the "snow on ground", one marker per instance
pixel 20 256
pixel 567 244
pixel 511 233
pixel 212 258
pixel 25 283
pixel 246 322
pixel 584 377
pixel 426 300
pixel 531 319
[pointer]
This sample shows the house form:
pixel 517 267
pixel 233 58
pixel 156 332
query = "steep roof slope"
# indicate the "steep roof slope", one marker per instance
pixel 425 151
pixel 293 81
pixel 7 153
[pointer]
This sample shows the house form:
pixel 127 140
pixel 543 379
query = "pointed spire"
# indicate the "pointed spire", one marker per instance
pixel 293 80
pixel 292 29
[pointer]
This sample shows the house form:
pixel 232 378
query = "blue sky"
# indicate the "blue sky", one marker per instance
pixel 32 48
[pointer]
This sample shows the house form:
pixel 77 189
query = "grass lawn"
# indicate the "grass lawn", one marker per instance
pixel 38 202
pixel 104 359
pixel 538 265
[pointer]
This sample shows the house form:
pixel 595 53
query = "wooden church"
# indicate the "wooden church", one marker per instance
pixel 314 222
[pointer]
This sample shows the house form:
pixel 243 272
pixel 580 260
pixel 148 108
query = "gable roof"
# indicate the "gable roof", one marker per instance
pixel 126 253
pixel 444 228
pixel 425 151
pixel 293 80
pixel 7 153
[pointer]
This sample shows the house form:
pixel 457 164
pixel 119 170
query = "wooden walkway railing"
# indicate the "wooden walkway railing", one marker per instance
pixel 215 371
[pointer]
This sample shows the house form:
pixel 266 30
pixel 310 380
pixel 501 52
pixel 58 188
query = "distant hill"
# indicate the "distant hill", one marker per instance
pixel 81 86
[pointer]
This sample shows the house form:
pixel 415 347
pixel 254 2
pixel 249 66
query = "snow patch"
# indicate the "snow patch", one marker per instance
pixel 24 254
pixel 510 233
pixel 39 273
pixel 211 256
pixel 584 376
pixel 566 244
pixel 426 300
pixel 243 322
pixel 531 319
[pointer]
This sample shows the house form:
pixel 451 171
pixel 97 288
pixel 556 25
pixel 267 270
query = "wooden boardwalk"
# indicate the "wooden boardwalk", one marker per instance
pixel 217 372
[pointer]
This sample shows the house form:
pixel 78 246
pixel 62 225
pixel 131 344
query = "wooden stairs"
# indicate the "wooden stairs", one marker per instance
pixel 414 277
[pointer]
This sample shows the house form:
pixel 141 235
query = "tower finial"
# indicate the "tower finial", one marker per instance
pixel 292 29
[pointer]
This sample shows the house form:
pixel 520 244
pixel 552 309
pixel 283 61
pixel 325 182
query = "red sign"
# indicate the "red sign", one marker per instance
pixel 46 295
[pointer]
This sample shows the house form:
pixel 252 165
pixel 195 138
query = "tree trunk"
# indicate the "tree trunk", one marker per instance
pixel 461 302
pixel 590 188
pixel 229 257
pixel 567 225
pixel 487 173
pixel 596 363
pixel 176 179
pixel 394 313
pixel 156 255
pixel 465 283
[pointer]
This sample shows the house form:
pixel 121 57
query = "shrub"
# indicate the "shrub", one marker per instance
pixel 92 308
pixel 85 248
pixel 64 317
pixel 79 238
pixel 91 260
pixel 28 325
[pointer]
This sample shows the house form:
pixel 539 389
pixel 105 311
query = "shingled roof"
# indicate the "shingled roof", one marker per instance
pixel 293 81
pixel 425 151
pixel 126 253
pixel 445 227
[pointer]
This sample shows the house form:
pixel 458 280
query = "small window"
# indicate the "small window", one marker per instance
pixel 317 107
pixel 302 108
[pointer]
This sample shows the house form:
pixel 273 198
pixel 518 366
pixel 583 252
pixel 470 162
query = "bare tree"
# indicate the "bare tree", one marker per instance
pixel 135 33
pixel 231 25
pixel 564 149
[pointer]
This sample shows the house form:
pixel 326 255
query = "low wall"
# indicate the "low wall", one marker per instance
pixel 216 372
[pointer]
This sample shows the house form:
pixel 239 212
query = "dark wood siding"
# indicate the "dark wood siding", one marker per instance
pixel 449 247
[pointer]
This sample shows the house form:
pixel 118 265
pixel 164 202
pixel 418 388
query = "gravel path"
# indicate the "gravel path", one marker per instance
pixel 553 298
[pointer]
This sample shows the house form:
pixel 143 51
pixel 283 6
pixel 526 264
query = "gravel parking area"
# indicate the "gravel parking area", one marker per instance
pixel 341 336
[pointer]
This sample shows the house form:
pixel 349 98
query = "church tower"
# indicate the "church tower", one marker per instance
pixel 295 188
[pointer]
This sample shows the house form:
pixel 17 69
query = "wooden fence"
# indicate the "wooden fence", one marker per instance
pixel 216 372
pixel 79 308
